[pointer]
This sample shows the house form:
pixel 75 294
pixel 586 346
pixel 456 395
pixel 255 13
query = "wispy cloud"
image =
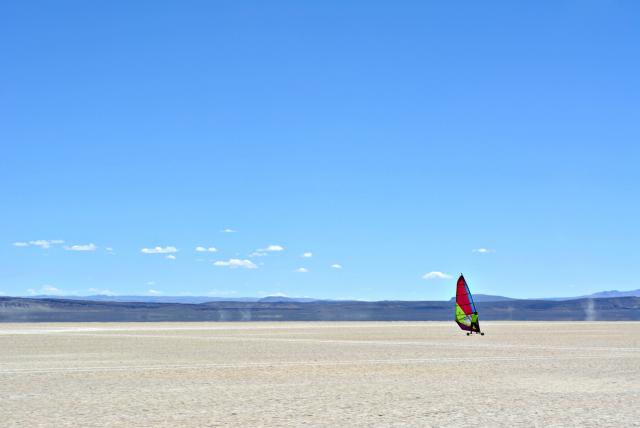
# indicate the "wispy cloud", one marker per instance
pixel 261 252
pixel 42 243
pixel 154 292
pixel 483 251
pixel 301 270
pixel 236 263
pixel 272 294
pixel 81 247
pixel 307 255
pixel 228 230
pixel 336 266
pixel 159 250
pixel 201 249
pixel 50 289
pixel 436 275
pixel 45 289
pixel 171 257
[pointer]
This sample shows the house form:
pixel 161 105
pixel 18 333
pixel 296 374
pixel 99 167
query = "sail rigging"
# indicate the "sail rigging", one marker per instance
pixel 465 307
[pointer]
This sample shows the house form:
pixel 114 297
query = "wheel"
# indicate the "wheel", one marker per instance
pixel 468 333
pixel 481 334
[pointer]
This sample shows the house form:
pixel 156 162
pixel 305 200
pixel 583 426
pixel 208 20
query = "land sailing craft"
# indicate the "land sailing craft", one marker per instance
pixel 466 313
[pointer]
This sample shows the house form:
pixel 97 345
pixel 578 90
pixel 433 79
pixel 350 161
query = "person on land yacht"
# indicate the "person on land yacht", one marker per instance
pixel 474 323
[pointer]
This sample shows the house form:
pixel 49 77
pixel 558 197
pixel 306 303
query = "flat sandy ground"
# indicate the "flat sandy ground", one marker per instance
pixel 319 374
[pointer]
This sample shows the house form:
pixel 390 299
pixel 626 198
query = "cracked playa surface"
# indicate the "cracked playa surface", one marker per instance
pixel 319 374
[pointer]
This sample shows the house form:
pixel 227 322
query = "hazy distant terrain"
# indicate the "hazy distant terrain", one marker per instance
pixel 175 299
pixel 14 309
pixel 478 297
pixel 401 374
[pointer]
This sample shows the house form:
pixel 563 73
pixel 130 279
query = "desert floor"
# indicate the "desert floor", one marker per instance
pixel 319 374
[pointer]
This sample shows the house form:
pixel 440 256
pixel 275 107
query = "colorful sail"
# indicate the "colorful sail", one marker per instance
pixel 464 305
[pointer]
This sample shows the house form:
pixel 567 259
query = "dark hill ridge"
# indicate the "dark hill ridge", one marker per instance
pixel 16 309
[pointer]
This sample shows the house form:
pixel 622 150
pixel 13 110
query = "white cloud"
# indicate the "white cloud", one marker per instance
pixel 20 244
pixel 159 250
pixel 109 249
pixel 301 270
pixel 483 251
pixel 31 291
pixel 261 252
pixel 154 292
pixel 171 257
pixel 436 275
pixel 46 289
pixel 307 255
pixel 236 263
pixel 272 294
pixel 42 243
pixel 336 266
pixel 228 230
pixel 81 247
pixel 151 283
pixel 201 249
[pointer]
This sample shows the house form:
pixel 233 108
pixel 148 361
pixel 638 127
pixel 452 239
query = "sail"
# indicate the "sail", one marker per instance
pixel 464 304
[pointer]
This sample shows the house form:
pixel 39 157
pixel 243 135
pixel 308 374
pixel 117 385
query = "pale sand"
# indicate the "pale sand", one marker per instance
pixel 319 374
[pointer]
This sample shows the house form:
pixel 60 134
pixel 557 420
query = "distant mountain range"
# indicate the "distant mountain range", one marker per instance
pixel 17 309
pixel 615 293
pixel 176 299
pixel 274 299
pixel 605 305
pixel 487 298
pixel 599 295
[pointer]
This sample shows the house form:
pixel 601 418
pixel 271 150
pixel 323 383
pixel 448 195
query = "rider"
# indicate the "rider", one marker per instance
pixel 474 323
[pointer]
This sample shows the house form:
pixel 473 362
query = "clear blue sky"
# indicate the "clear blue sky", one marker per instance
pixel 391 138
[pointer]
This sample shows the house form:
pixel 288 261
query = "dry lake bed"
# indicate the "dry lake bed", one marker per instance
pixel 319 374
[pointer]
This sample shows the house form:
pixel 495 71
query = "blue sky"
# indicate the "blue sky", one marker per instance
pixel 391 139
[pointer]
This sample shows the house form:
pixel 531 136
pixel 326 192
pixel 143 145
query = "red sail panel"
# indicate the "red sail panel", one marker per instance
pixel 463 297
